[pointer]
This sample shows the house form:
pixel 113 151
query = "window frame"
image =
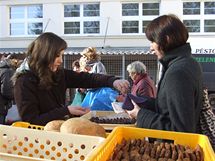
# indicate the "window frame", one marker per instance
pixel 202 17
pixel 140 17
pixel 82 19
pixel 25 21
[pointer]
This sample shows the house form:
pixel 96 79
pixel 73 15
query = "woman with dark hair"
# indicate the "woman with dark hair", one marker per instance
pixel 41 83
pixel 179 96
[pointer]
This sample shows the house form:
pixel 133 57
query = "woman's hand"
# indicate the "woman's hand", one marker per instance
pixel 78 110
pixel 120 98
pixel 133 113
pixel 121 85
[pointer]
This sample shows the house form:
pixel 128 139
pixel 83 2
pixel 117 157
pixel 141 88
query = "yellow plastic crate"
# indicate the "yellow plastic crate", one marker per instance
pixel 27 125
pixel 20 144
pixel 32 126
pixel 104 151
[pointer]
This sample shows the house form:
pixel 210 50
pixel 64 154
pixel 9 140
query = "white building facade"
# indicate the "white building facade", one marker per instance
pixel 102 23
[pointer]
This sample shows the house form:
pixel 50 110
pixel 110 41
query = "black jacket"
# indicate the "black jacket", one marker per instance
pixel 6 86
pixel 179 97
pixel 39 106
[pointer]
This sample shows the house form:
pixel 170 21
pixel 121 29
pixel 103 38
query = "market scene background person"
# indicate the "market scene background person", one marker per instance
pixel 8 66
pixel 92 61
pixel 79 92
pixel 179 96
pixel 96 98
pixel 40 83
pixel 142 84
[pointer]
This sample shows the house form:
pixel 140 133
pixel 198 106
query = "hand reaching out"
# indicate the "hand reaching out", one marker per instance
pixel 121 85
pixel 78 110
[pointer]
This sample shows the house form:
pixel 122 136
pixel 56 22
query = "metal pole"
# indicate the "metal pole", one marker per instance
pixel 123 66
pixel 106 31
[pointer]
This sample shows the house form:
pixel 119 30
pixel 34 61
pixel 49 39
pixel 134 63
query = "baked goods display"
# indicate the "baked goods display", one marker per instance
pixel 140 149
pixel 82 126
pixel 120 120
pixel 54 125
pixel 76 126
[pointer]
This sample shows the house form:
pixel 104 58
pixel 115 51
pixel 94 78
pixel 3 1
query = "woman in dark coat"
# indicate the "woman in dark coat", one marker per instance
pixel 41 83
pixel 179 96
pixel 8 66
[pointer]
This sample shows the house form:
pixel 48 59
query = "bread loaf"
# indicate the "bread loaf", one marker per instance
pixel 82 126
pixel 54 125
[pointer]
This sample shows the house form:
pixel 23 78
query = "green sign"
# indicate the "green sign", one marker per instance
pixel 205 59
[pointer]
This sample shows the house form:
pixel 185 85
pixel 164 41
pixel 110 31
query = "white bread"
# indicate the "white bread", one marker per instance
pixel 82 126
pixel 54 125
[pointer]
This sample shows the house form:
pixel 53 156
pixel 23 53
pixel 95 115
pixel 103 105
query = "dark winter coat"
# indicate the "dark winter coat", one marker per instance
pixel 39 106
pixel 6 86
pixel 179 97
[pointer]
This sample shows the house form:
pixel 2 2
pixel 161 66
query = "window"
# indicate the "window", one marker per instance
pixel 145 23
pixel 191 8
pixel 198 16
pixel 82 18
pixel 136 16
pixel 26 20
pixel 72 11
pixel 91 10
pixel 209 8
pixel 71 27
pixel 209 25
pixel 150 8
pixel 192 25
pixel 130 9
pixel 130 27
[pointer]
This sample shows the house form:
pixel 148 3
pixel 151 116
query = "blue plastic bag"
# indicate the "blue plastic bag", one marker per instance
pixel 100 99
pixel 79 97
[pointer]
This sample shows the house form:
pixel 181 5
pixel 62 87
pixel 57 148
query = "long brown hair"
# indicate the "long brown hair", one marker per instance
pixel 167 31
pixel 41 53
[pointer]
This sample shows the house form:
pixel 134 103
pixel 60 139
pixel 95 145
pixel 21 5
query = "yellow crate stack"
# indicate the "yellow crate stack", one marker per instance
pixel 104 151
pixel 27 125
pixel 26 144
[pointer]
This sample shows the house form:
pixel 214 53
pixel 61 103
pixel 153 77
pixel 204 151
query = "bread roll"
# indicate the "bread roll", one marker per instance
pixel 82 126
pixel 54 125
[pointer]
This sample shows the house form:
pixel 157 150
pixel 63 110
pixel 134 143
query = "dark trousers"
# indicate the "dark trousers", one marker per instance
pixel 3 114
pixel 2 119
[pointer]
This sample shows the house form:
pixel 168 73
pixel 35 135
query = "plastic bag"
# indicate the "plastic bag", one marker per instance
pixel 100 99
pixel 79 97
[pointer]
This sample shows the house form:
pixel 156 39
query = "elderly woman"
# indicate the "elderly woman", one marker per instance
pixel 143 85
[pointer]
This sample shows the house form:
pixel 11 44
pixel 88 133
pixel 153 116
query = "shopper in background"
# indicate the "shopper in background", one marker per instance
pixel 79 92
pixel 179 96
pixel 99 98
pixel 8 66
pixel 92 60
pixel 142 84
pixel 41 83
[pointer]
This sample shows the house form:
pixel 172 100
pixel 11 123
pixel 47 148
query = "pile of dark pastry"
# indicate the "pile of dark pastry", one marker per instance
pixel 120 120
pixel 142 150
